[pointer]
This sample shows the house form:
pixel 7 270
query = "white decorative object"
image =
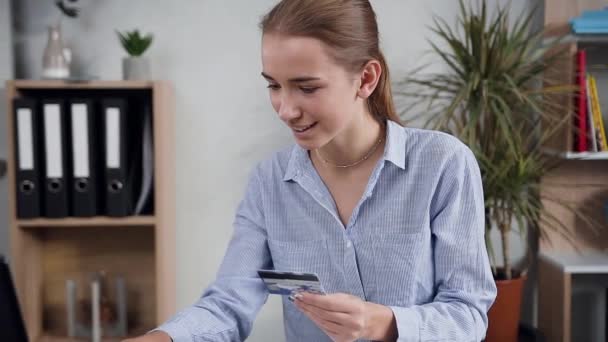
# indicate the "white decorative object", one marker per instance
pixel 98 328
pixel 70 294
pixel 95 309
pixel 57 58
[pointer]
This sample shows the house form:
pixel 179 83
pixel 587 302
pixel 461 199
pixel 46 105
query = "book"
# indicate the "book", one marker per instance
pixel 580 124
pixel 597 115
pixel 595 145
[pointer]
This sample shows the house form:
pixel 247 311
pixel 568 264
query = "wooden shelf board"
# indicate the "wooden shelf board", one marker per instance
pixel 589 38
pixel 578 38
pixel 94 84
pixel 578 155
pixel 54 338
pixel 87 222
pixel 585 155
pixel 588 262
pixel 50 338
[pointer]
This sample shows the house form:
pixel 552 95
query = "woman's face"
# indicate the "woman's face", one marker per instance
pixel 315 97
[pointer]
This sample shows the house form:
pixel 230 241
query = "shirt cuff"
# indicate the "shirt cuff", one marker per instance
pixel 408 324
pixel 177 332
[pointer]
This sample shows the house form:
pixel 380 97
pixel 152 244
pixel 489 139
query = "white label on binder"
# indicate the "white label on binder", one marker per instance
pixel 52 140
pixel 80 140
pixel 24 139
pixel 112 138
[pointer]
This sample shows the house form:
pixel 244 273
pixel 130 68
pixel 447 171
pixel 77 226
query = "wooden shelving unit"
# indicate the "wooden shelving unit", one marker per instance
pixel 580 170
pixel 46 252
pixel 581 181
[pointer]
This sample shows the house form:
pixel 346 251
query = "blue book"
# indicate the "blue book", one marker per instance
pixel 591 22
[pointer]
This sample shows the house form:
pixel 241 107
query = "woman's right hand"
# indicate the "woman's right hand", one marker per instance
pixel 156 336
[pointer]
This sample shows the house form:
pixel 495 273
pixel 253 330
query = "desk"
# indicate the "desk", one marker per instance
pixel 555 271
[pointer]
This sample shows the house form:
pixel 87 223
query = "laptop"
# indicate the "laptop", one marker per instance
pixel 12 327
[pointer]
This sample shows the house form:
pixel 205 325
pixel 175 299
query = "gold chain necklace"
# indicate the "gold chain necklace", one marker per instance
pixel 365 157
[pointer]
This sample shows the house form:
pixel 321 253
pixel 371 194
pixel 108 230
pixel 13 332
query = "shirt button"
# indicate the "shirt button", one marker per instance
pixel 348 244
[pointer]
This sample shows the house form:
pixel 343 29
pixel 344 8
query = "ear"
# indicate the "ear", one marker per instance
pixel 370 75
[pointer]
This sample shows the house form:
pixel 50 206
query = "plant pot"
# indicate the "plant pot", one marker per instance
pixel 504 315
pixel 135 68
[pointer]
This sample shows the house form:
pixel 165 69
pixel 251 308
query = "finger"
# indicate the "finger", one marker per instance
pixel 348 323
pixel 320 323
pixel 335 302
pixel 327 326
pixel 336 317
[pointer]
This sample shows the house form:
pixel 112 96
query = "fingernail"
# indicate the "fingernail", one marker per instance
pixel 298 296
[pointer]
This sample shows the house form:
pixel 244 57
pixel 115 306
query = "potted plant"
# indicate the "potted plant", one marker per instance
pixel 135 66
pixel 494 96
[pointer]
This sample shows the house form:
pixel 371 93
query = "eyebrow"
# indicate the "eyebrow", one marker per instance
pixel 293 80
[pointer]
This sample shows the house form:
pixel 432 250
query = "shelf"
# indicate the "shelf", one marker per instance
pixel 578 38
pixel 589 262
pixel 48 338
pixel 68 339
pixel 132 221
pixel 94 84
pixel 589 38
pixel 52 338
pixel 585 155
pixel 578 155
pixel 44 251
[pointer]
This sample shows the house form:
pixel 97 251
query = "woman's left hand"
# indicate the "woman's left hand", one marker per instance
pixel 341 316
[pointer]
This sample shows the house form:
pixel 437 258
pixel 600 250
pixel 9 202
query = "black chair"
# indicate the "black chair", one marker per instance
pixel 12 327
pixel 528 333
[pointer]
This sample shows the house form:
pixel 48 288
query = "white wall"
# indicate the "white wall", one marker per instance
pixel 6 73
pixel 210 50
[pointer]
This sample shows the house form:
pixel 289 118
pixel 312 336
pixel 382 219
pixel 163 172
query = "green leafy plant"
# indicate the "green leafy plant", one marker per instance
pixel 134 43
pixel 494 96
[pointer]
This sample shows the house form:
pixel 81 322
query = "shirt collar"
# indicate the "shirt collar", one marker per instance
pixel 394 151
pixel 294 166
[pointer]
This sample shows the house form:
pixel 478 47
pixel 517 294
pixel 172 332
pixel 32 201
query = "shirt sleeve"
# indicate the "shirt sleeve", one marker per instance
pixel 463 277
pixel 227 308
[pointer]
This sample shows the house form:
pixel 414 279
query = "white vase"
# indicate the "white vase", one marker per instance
pixel 135 68
pixel 56 59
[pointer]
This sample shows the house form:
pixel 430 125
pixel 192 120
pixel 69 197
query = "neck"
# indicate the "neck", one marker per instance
pixel 356 142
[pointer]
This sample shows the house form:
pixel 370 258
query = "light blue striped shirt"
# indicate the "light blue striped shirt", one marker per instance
pixel 414 242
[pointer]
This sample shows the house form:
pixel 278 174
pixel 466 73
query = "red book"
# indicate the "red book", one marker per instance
pixel 581 102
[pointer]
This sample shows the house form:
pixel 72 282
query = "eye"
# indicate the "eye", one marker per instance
pixel 309 90
pixel 272 86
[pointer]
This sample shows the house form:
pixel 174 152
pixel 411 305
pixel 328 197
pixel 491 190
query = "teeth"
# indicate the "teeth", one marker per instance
pixel 303 129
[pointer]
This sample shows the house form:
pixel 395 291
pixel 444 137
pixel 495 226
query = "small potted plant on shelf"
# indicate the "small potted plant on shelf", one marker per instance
pixel 494 97
pixel 135 66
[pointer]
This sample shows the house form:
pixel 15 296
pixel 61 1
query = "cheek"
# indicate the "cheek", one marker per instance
pixel 338 107
pixel 275 101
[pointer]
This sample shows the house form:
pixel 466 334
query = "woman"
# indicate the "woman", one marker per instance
pixel 390 218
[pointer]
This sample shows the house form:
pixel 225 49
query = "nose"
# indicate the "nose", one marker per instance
pixel 288 110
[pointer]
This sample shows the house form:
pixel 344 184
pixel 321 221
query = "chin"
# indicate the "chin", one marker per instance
pixel 307 144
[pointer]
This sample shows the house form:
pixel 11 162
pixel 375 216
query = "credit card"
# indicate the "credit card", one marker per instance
pixel 286 283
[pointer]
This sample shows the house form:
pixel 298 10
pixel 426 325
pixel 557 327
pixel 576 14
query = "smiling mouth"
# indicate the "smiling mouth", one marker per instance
pixel 301 130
